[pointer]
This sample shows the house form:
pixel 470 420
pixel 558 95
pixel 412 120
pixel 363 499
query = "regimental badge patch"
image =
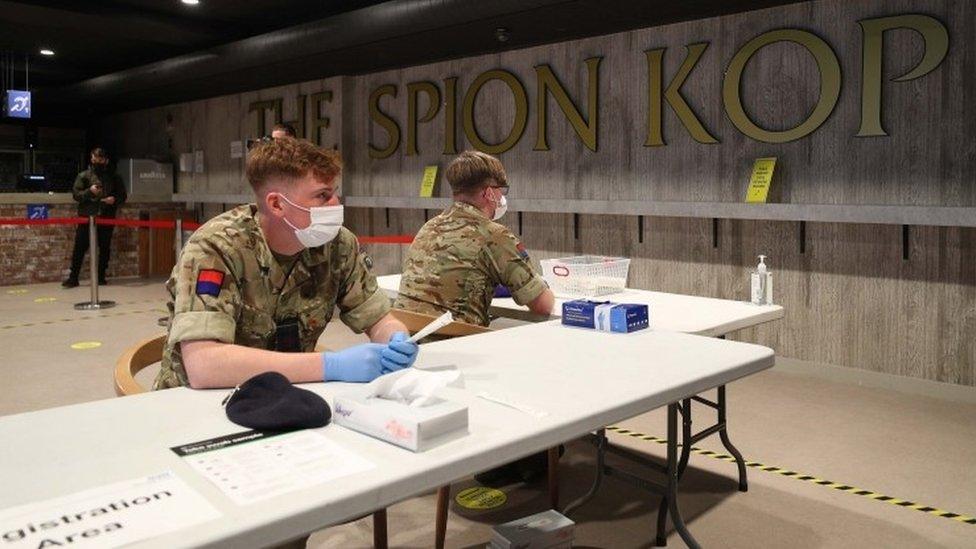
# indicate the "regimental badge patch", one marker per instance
pixel 520 248
pixel 209 282
pixel 367 260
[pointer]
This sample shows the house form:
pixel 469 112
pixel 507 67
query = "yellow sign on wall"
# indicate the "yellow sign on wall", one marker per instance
pixel 762 177
pixel 427 185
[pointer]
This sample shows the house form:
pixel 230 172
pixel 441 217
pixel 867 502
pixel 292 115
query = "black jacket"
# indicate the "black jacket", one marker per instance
pixel 89 204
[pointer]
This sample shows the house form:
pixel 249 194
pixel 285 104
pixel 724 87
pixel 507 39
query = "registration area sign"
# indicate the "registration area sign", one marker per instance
pixel 107 516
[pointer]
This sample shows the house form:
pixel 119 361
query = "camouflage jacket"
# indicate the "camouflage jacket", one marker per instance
pixel 228 286
pixel 457 259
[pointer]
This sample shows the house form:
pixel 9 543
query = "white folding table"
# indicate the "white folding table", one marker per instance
pixel 558 370
pixel 697 315
pixel 707 316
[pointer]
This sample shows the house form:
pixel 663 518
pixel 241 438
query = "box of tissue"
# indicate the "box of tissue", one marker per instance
pixel 401 408
pixel 605 315
pixel 414 428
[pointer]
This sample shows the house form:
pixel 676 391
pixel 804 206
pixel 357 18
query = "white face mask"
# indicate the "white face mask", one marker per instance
pixel 323 228
pixel 500 208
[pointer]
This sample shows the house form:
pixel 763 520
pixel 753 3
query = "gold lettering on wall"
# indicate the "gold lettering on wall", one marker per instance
pixel 936 38
pixel 261 107
pixel 433 106
pixel 672 94
pixel 830 80
pixel 319 120
pixel 450 115
pixel 548 83
pixel 381 118
pixel 299 122
pixel 521 111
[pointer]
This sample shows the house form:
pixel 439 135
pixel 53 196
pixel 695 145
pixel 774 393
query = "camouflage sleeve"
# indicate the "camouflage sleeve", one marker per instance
pixel 360 300
pixel 508 258
pixel 205 293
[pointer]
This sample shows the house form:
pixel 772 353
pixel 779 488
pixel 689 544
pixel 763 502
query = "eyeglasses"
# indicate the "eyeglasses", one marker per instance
pixel 501 188
pixel 250 143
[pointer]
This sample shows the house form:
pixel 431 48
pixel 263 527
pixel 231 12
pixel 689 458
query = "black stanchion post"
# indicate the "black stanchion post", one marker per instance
pixel 94 304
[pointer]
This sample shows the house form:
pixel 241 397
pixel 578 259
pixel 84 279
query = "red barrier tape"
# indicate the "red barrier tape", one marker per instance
pixel 394 239
pixel 149 224
pixel 169 224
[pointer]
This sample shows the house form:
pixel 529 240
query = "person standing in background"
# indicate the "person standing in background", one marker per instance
pixel 283 130
pixel 99 191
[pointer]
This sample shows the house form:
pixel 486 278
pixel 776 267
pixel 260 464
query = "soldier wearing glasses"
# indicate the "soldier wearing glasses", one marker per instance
pixel 460 256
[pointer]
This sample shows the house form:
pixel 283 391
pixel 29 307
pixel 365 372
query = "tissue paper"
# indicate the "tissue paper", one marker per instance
pixel 412 386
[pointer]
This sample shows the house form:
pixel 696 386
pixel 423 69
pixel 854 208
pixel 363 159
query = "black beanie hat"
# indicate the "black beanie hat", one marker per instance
pixel 269 402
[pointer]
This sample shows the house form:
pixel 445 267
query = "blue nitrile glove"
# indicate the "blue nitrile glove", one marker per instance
pixel 399 353
pixel 359 364
pixel 502 290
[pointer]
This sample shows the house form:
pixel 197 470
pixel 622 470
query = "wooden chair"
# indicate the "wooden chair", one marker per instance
pixel 137 357
pixel 150 351
pixel 414 322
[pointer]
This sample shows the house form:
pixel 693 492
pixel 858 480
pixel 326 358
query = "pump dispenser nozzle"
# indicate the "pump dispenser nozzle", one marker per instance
pixel 762 264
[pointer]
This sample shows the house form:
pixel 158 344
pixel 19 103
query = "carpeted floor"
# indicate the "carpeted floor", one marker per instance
pixel 907 444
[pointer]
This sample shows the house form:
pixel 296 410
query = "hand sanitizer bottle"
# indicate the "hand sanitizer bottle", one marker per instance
pixel 762 284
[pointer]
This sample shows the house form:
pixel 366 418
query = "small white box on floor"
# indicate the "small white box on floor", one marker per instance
pixel 416 428
pixel 546 530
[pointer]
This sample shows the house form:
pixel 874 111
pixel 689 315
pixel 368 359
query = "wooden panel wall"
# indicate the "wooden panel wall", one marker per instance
pixel 851 297
pixel 928 157
pixel 211 125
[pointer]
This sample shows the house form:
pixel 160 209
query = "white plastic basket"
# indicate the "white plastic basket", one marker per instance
pixel 586 275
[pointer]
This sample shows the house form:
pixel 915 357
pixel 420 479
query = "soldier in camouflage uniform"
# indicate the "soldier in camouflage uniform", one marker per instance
pixel 252 292
pixel 460 256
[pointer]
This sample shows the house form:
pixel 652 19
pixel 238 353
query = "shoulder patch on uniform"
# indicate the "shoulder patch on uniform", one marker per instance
pixel 367 260
pixel 521 250
pixel 209 282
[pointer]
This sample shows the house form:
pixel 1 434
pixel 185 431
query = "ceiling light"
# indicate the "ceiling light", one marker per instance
pixel 45 51
pixel 191 2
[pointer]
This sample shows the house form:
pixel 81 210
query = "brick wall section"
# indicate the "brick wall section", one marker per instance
pixel 42 253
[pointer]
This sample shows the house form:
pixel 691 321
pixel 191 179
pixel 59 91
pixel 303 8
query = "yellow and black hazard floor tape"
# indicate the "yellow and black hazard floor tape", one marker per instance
pixel 807 478
pixel 101 314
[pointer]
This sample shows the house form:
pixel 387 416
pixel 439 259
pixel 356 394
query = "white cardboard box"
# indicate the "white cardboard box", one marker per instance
pixel 539 531
pixel 413 428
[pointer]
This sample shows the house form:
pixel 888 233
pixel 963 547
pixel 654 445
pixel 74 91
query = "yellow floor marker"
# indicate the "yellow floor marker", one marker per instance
pixel 85 345
pixel 480 498
pixel 17 291
pixel 45 299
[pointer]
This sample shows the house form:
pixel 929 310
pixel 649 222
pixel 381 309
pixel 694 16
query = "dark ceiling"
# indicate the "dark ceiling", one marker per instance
pixel 125 54
pixel 92 38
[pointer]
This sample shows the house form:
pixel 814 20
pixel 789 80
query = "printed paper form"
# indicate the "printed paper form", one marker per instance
pixel 269 466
